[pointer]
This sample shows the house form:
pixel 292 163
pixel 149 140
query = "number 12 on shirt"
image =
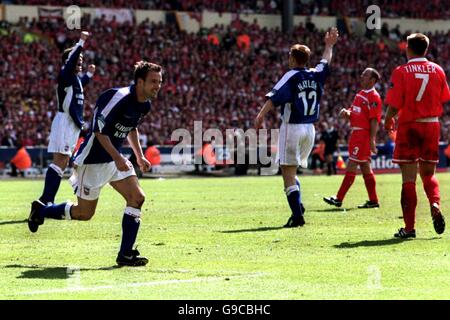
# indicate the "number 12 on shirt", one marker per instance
pixel 309 109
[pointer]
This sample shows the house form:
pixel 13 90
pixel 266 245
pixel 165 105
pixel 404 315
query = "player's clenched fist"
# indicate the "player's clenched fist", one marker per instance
pixel 91 68
pixel 84 35
pixel 144 164
pixel 345 113
pixel 122 163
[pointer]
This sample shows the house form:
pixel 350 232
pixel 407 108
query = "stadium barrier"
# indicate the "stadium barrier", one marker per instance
pixel 381 163
pixel 207 19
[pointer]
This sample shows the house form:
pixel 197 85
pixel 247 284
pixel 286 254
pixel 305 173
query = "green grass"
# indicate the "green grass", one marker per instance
pixel 220 238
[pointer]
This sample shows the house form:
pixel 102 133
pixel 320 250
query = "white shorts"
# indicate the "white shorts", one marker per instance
pixel 63 135
pixel 295 143
pixel 88 179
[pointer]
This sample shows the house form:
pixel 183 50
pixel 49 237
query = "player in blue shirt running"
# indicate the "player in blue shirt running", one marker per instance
pixel 98 161
pixel 298 95
pixel 68 122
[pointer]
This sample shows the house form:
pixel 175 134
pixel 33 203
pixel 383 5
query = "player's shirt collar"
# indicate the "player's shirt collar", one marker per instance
pixel 370 90
pixel 418 60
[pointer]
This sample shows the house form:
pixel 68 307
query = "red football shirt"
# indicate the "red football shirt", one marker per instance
pixel 418 90
pixel 365 106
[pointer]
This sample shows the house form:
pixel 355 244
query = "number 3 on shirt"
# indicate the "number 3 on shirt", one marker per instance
pixel 425 78
pixel 309 111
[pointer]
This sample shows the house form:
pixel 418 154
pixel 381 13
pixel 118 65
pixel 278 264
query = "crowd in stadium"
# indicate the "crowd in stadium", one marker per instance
pixel 435 9
pixel 211 76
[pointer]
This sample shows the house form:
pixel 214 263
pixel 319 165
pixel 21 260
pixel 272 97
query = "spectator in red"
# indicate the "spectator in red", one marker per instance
pixel 20 162
pixel 153 155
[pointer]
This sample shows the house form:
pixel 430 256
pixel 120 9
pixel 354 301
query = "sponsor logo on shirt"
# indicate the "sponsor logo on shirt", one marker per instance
pixel 356 109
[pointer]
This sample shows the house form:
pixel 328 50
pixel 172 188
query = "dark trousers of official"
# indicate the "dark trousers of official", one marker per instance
pixel 14 171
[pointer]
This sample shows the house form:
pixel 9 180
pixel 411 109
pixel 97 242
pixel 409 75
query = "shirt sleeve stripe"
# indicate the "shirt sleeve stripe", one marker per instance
pixel 119 95
pixel 288 75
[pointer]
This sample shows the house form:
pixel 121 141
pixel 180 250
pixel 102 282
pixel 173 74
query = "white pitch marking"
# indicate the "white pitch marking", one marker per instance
pixel 137 284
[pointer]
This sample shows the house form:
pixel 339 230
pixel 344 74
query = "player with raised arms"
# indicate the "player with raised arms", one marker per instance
pixel 68 122
pixel 298 94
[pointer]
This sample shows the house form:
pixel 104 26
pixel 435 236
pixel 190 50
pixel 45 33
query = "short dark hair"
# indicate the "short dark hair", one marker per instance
pixel 418 43
pixel 65 55
pixel 374 74
pixel 142 68
pixel 300 53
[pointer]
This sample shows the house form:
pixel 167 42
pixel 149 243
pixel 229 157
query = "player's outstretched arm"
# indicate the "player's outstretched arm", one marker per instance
pixel 373 135
pixel 260 117
pixel 70 64
pixel 331 38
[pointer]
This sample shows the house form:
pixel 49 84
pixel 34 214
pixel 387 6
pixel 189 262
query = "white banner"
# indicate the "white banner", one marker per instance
pixel 50 13
pixel 121 15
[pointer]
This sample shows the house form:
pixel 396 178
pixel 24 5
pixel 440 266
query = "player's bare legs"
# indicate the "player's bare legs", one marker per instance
pixel 61 160
pixel 289 173
pixel 431 186
pixel 365 168
pixel 84 210
pixel 409 172
pixel 130 189
pixel 292 190
pixel 132 192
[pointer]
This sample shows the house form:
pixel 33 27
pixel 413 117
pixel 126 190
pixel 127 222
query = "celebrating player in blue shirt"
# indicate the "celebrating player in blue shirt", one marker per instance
pixel 68 122
pixel 298 95
pixel 98 161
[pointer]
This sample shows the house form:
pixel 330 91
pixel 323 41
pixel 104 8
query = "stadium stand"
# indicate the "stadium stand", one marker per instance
pixel 416 9
pixel 218 82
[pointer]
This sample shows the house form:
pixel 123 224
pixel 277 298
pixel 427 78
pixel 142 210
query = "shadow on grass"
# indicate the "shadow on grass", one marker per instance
pixel 37 272
pixel 252 230
pixel 13 222
pixel 376 243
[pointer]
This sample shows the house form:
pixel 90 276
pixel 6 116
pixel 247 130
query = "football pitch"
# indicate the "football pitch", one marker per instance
pixel 221 238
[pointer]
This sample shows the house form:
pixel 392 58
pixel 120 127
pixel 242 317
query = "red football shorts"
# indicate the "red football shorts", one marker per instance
pixel 359 146
pixel 417 141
